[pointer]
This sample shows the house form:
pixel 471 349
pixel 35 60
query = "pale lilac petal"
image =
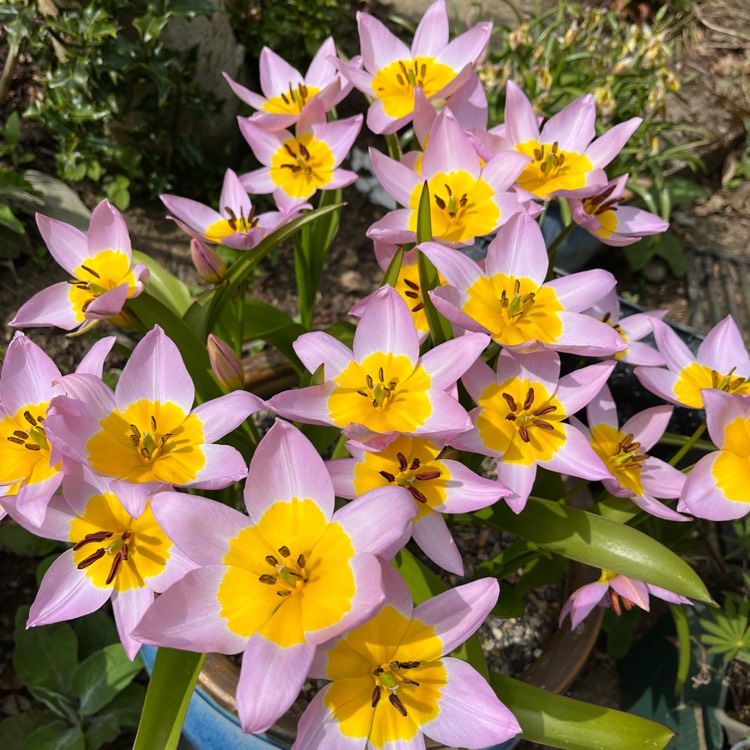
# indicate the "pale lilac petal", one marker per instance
pixel 108 230
pixel 602 409
pixel 471 440
pixel 675 352
pixel 224 465
pixel 467 694
pixel 397 180
pixel 195 215
pixel 648 425
pixel 276 74
pixel 542 366
pixel 467 491
pixel 379 121
pixel 518 250
pixel 637 223
pixel 222 415
pixel 156 372
pixel 135 496
pixel 319 729
pixel 129 607
pixel 449 150
pixel 606 147
pixel 448 417
pixel 256 101
pixel 318 348
pixel 469 104
pixel 638 353
pixel 520 121
pixel 502 170
pixel 393 227
pixel 177 566
pixel 576 389
pixel 721 409
pixel 577 291
pixel 582 602
pixel 264 143
pixel 631 589
pixel 342 476
pixel 107 304
pixel 379 46
pixel 654 507
pixel 466 48
pixel 586 336
pixel 432 34
pixel 573 127
pixel 270 680
pixel 446 363
pixel 27 375
pixel 65 593
pixel 576 457
pixel 308 405
pixel 519 479
pixel 201 528
pixel 724 349
pixel 276 473
pixel 234 195
pixel 667 596
pixel 702 498
pixel 638 326
pixel 66 244
pixel 259 182
pixel 340 135
pixel 457 268
pixel 323 66
pixel 377 519
pixel 187 616
pixel 361 79
pixel 341 178
pixel 386 326
pixel 434 539
pixel 478 378
pixel 33 499
pixel 658 381
pixel 49 307
pixel 458 612
pixel 93 361
pixel 448 301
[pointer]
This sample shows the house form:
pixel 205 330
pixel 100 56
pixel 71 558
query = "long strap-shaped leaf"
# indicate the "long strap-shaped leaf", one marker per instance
pixel 169 690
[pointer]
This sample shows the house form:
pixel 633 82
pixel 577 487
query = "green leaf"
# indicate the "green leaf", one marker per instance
pixel 61 705
pixel 640 253
pixel 394 268
pixel 15 729
pixel 94 632
pixel 56 736
pixel 103 728
pixel 100 677
pixel 669 248
pixel 683 637
pixel 683 191
pixel 24 543
pixel 165 286
pixel 169 691
pixel 44 656
pixel 579 535
pixel 8 219
pixel 574 725
pixel 13 182
pixel 126 706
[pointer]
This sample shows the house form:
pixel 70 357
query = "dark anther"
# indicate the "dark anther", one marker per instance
pixel 396 703
pixel 16 440
pixel 270 580
pixel 392 385
pixel 97 536
pixel 165 437
pixel 423 70
pixel 400 79
pixel 271 560
pixel 289 151
pixel 370 383
pixel 27 416
pixel 409 682
pixel 153 423
pixel 510 401
pixel 464 200
pixel 21 434
pixel 115 567
pixel 381 375
pixel 375 403
pixel 283 593
pixel 524 433
pixel 416 494
pixel 409 664
pixel 440 202
pixel 529 399
pixel 91 559
pixel 511 417
pixel 301 561
pixel 387 476
pixel 411 284
pixel 135 441
pixel 305 153
pixel 362 393
pixel 541 423
pixel 375 696
pixel 415 464
pixel 135 431
pixel 286 101
pixel 284 551
pixel 32 446
pixel 411 295
pixel 145 453
pixel 402 462
pixel 91 271
pixel 124 550
pixel 377 671
pixel 545 410
pixel 425 476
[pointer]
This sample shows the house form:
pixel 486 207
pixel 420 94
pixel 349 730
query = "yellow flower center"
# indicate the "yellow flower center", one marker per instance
pixel 514 310
pixel 407 285
pixel 107 270
pixel 394 85
pixel 291 102
pixel 26 451
pixel 226 227
pixel 387 679
pixel 731 470
pixel 149 441
pixel 603 207
pixel 521 421
pixel 620 454
pixel 687 389
pixel 115 549
pixel 302 165
pixel 461 207
pixel 618 328
pixel 407 462
pixel 552 169
pixel 288 575
pixel 385 393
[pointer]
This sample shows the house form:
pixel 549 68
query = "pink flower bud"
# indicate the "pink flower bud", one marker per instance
pixel 225 364
pixel 207 262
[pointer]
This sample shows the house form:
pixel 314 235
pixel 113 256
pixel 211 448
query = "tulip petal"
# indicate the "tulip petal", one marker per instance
pixel 519 479
pixel 49 307
pixel 648 425
pixel 601 409
pixel 446 363
pixel 577 388
pixel 222 415
pixel 318 728
pixel 129 607
pixel 434 539
pixel 573 128
pixel 606 147
pixel 66 244
pixel 723 349
pixel 397 180
pixel 576 457
pixel 577 291
pixel 108 230
pixel 27 375
pixel 518 250
pixel 585 336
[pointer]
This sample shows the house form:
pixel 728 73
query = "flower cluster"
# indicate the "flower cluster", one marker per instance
pixel 452 360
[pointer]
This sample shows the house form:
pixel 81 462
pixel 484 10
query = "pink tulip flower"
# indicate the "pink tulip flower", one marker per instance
pixel 519 419
pixel 280 582
pixel 287 93
pixel 635 474
pixel 722 363
pixel 616 591
pixel 717 487
pixel 603 216
pixel 393 72
pixel 383 386
pixel 437 485
pixel 100 264
pixel 566 159
pixel 392 685
pixel 146 434
pixel 509 299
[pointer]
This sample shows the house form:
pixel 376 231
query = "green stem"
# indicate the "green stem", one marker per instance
pixel 689 443
pixel 305 294
pixel 676 441
pixel 394 146
pixel 552 252
pixel 573 492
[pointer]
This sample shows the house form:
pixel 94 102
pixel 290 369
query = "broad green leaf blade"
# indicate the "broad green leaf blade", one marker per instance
pixel 574 725
pixel 394 268
pixel 56 736
pixel 169 690
pixel 597 541
pixel 9 220
pixel 98 679
pixel 15 729
pixel 165 286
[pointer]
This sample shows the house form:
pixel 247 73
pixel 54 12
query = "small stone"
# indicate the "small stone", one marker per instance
pixel 351 281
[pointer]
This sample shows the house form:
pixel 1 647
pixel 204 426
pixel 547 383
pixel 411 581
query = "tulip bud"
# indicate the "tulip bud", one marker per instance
pixel 207 262
pixel 225 364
